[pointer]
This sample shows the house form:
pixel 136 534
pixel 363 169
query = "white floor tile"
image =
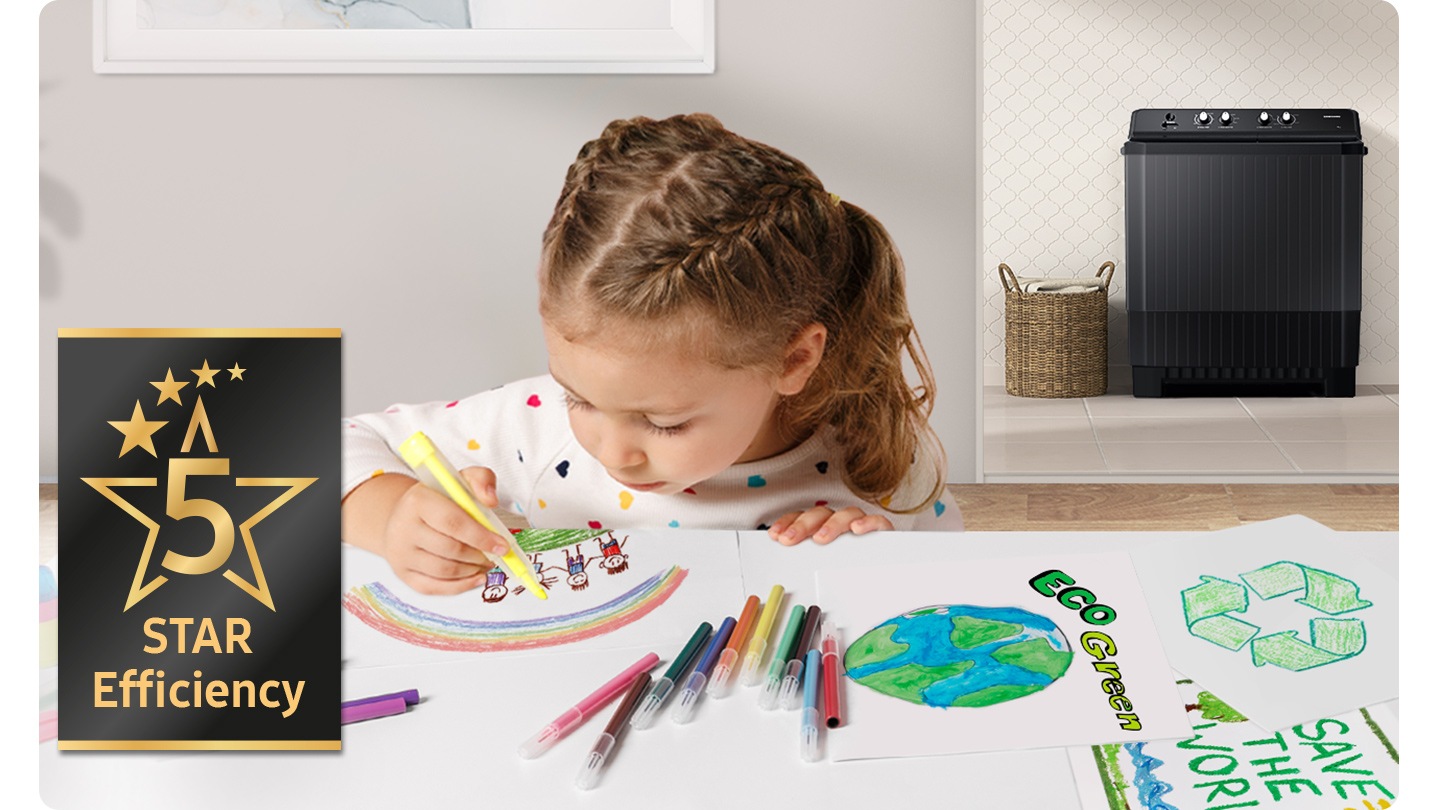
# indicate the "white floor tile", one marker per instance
pixel 1115 405
pixel 1002 404
pixel 1007 457
pixel 1372 457
pixel 1364 403
pixel 1387 389
pixel 1208 457
pixel 1332 428
pixel 1039 429
pixel 1171 429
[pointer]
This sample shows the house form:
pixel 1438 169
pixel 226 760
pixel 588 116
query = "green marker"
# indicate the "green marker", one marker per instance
pixel 770 698
pixel 645 715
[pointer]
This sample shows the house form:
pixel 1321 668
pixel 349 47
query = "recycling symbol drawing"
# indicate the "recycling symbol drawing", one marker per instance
pixel 1210 609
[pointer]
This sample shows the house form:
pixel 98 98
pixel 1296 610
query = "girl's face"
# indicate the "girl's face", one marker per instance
pixel 662 419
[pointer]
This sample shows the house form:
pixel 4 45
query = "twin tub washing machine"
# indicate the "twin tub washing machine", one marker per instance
pixel 1242 250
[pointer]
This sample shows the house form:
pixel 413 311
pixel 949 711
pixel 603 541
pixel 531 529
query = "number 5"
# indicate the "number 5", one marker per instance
pixel 179 507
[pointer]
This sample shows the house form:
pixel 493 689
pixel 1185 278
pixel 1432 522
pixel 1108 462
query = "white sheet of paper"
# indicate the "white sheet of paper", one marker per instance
pixel 1301 676
pixel 711 587
pixel 1072 709
pixel 1240 764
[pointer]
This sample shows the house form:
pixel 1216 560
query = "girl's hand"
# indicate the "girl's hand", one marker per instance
pixel 823 524
pixel 433 545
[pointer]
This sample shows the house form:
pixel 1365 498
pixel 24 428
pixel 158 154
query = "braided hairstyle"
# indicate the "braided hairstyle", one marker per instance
pixel 733 247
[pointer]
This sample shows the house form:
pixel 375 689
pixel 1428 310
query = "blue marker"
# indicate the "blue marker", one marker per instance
pixel 690 695
pixel 810 714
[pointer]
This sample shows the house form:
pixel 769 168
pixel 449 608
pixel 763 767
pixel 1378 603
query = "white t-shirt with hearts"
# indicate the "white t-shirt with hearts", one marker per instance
pixel 522 432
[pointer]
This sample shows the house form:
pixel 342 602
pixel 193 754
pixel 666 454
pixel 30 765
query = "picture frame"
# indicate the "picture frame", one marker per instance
pixel 507 36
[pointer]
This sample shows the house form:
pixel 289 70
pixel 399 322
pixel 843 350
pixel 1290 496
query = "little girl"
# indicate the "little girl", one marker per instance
pixel 726 342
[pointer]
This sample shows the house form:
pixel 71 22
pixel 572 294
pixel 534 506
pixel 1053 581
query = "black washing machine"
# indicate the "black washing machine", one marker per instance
pixel 1242 251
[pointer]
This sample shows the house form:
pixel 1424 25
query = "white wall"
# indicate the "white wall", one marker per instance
pixel 407 210
pixel 1061 78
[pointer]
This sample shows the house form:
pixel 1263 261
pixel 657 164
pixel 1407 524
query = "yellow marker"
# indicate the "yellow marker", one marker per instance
pixel 750 671
pixel 420 453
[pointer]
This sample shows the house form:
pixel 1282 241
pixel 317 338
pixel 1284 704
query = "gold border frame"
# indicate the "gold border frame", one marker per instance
pixel 198 745
pixel 122 332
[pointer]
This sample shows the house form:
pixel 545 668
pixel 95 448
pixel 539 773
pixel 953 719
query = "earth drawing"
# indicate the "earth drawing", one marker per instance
pixel 960 655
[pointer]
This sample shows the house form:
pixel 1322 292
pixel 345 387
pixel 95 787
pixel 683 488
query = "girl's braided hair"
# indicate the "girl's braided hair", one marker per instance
pixel 733 246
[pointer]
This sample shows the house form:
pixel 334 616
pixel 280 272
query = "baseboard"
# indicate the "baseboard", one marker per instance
pixel 1365 374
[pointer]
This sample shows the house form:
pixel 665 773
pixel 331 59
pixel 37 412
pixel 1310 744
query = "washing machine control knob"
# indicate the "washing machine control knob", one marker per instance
pixel 1286 118
pixel 1225 118
pixel 1264 118
pixel 1203 118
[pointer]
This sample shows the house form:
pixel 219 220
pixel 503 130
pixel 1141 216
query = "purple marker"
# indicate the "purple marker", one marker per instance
pixel 410 696
pixel 370 711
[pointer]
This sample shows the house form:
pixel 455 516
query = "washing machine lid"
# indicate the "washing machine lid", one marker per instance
pixel 1220 124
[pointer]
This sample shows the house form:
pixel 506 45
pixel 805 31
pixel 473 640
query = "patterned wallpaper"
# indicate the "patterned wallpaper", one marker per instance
pixel 1061 78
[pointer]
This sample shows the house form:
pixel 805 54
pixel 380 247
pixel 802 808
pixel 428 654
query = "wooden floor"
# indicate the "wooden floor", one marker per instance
pixel 1173 507
pixel 1157 507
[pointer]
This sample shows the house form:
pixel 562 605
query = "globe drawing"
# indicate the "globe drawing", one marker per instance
pixel 960 655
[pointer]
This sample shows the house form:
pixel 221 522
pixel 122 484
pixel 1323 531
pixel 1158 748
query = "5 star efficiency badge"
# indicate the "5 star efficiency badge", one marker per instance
pixel 177 632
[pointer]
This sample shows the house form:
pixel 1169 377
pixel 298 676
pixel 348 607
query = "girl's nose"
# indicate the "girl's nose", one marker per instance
pixel 618 451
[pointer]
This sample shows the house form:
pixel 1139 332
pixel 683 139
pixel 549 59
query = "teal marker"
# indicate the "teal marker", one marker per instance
pixel 645 715
pixel 770 698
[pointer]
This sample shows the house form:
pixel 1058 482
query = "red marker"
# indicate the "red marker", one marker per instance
pixel 830 665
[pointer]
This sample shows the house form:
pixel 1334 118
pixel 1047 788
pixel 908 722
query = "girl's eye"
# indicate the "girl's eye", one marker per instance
pixel 573 403
pixel 667 430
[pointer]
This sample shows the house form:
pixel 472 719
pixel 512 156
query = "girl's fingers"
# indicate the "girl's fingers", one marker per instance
pixel 426 584
pixel 837 524
pixel 871 523
pixel 446 547
pixel 482 483
pixel 781 524
pixel 805 525
pixel 444 516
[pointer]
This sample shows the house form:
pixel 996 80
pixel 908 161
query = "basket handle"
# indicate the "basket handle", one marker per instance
pixel 1110 266
pixel 1007 279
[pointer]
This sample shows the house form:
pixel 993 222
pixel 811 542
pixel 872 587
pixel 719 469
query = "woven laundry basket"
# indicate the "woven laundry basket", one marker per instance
pixel 1056 343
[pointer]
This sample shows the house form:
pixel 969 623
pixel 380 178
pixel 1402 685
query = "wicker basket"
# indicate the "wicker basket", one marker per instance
pixel 1056 344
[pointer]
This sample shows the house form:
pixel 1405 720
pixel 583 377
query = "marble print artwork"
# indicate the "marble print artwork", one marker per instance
pixel 241 14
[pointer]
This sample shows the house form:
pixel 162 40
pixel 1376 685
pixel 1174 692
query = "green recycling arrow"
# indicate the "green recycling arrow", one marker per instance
pixel 1331 640
pixel 1205 607
pixel 1208 607
pixel 1326 592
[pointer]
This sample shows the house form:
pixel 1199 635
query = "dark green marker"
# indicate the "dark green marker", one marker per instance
pixel 770 698
pixel 645 715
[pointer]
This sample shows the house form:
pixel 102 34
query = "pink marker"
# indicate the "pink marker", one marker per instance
pixel 574 716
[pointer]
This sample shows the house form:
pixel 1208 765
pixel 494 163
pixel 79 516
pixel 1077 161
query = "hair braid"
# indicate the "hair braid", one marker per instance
pixel 680 223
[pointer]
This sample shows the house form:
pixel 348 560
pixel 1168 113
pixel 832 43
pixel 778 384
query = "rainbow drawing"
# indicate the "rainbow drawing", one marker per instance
pixel 378 607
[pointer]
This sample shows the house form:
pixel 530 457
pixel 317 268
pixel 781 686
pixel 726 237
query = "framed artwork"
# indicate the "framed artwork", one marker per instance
pixel 404 36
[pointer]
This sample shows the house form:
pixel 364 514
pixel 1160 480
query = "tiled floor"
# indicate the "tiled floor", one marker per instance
pixel 1118 437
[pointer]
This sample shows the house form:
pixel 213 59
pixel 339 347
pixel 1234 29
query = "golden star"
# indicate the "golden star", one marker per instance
pixel 169 389
pixel 206 374
pixel 236 372
pixel 138 432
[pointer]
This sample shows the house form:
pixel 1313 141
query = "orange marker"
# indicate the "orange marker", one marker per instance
pixel 720 684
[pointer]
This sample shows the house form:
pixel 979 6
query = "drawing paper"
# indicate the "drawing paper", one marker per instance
pixel 1287 621
pixel 606 589
pixel 1350 760
pixel 966 657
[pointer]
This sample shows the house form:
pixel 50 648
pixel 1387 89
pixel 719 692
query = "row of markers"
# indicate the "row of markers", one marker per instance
pixel 798 677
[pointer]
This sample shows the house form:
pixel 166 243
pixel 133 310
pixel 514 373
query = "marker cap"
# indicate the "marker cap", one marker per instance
pixel 644 716
pixel 810 735
pixel 546 737
pixel 589 775
pixel 750 670
pixel 689 697
pixel 790 696
pixel 720 682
